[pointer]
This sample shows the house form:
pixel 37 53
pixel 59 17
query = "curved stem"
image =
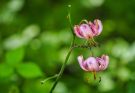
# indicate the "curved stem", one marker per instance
pixel 62 70
pixel 84 20
pixel 66 60
pixel 43 81
pixel 68 55
pixel 69 20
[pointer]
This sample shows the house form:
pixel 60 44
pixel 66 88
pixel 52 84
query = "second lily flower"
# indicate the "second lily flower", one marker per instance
pixel 93 64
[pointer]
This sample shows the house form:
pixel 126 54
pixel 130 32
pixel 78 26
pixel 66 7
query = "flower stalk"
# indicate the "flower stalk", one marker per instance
pixel 68 55
pixel 62 70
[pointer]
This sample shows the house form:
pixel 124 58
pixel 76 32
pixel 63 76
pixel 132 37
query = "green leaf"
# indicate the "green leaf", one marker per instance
pixel 5 71
pixel 14 89
pixel 13 57
pixel 29 70
pixel 35 87
pixel 131 87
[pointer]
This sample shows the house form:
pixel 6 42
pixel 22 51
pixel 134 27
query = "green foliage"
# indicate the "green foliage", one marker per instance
pixel 5 71
pixel 131 87
pixel 14 89
pixel 14 57
pixel 29 70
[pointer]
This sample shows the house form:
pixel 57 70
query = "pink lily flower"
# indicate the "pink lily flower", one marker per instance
pixel 88 30
pixel 93 64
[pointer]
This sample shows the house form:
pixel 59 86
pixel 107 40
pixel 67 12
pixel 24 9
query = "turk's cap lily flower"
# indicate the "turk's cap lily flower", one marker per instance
pixel 88 30
pixel 93 64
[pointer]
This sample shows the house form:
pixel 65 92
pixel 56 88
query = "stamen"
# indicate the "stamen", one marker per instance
pixel 94 72
pixel 99 79
pixel 88 79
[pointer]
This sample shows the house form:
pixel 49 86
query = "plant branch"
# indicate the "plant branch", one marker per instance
pixel 68 55
pixel 62 70
pixel 66 60
pixel 43 81
pixel 69 19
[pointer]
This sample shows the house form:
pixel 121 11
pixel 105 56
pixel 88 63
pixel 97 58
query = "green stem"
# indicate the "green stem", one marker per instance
pixel 69 19
pixel 62 70
pixel 66 60
pixel 94 42
pixel 85 21
pixel 43 81
pixel 68 55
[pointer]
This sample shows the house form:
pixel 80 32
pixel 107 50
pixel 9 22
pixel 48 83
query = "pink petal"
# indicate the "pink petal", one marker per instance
pixel 99 26
pixel 96 27
pixel 103 62
pixel 92 64
pixel 106 60
pixel 82 64
pixel 77 31
pixel 86 31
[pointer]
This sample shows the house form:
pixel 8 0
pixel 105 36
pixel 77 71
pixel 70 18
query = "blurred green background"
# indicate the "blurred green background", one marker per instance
pixel 35 37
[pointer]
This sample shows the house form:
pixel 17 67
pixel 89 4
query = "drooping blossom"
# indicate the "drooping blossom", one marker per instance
pixel 93 64
pixel 88 30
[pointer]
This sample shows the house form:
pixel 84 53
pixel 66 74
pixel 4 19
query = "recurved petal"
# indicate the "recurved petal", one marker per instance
pixel 77 31
pixel 94 28
pixel 101 63
pixel 98 25
pixel 82 64
pixel 106 60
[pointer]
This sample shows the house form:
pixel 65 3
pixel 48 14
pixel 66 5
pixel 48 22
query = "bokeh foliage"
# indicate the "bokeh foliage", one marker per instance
pixel 35 36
